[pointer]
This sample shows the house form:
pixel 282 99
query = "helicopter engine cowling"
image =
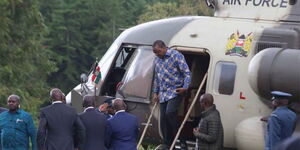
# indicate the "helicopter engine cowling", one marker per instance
pixel 275 69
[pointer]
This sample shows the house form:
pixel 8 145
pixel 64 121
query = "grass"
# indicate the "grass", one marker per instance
pixel 150 147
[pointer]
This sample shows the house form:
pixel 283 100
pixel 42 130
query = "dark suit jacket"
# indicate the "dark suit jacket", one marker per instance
pixel 95 126
pixel 122 132
pixel 59 127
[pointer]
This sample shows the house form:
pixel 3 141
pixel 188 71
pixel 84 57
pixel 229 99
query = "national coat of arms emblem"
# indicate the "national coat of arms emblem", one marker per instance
pixel 239 44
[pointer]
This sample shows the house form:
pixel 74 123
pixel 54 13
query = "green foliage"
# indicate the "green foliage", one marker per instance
pixel 197 7
pixel 132 9
pixel 166 9
pixel 51 42
pixel 80 31
pixel 25 62
pixel 158 11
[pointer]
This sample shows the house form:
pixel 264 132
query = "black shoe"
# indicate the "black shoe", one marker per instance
pixel 183 145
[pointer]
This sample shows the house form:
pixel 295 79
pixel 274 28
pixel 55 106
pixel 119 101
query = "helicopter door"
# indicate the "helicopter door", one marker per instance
pixel 137 81
pixel 135 89
pixel 198 60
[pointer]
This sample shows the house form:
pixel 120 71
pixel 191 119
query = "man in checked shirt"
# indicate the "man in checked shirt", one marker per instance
pixel 172 79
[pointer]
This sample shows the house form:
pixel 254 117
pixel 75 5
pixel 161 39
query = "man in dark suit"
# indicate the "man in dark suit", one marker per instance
pixel 122 129
pixel 95 125
pixel 59 126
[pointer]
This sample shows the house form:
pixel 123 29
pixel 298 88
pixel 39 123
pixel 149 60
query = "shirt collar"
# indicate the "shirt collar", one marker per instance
pixel 18 111
pixel 119 111
pixel 281 107
pixel 56 102
pixel 91 107
pixel 168 53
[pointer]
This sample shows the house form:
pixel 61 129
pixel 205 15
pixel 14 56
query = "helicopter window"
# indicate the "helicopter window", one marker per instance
pixel 225 77
pixel 139 74
pixel 118 70
pixel 124 57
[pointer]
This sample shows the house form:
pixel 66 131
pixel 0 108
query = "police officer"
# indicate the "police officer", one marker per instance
pixel 281 123
pixel 291 143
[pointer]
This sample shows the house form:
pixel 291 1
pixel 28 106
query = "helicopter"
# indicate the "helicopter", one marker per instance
pixel 248 49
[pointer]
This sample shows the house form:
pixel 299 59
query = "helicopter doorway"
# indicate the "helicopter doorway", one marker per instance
pixel 198 62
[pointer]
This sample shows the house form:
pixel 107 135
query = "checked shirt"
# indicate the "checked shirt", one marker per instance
pixel 171 72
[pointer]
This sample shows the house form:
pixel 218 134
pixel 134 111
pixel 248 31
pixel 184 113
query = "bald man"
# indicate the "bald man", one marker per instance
pixel 209 133
pixel 16 127
pixel 59 126
pixel 122 129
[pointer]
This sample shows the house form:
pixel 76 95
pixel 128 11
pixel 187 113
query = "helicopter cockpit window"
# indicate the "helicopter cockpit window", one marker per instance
pixel 137 81
pixel 225 77
pixel 124 57
pixel 118 70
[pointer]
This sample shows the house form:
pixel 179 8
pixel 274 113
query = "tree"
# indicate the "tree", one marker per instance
pixel 25 62
pixel 158 11
pixel 79 31
pixel 132 9
pixel 161 10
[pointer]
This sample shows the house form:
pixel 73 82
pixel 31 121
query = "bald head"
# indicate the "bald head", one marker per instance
pixel 13 102
pixel 119 104
pixel 56 94
pixel 159 48
pixel 14 96
pixel 159 43
pixel 88 101
pixel 206 100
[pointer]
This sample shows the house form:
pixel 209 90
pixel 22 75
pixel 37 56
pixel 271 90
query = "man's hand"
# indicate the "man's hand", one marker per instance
pixel 103 107
pixel 155 98
pixel 264 119
pixel 181 91
pixel 196 131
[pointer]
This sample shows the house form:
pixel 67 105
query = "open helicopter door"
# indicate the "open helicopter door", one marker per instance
pixel 198 60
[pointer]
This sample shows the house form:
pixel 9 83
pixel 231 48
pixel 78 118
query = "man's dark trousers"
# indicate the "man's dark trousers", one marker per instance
pixel 168 119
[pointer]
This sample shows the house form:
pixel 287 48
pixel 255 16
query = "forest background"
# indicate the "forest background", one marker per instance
pixel 49 43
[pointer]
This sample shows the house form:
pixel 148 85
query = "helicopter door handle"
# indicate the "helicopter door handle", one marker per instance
pixel 144 124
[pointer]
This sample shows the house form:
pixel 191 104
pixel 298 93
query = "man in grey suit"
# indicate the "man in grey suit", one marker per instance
pixel 59 126
pixel 95 125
